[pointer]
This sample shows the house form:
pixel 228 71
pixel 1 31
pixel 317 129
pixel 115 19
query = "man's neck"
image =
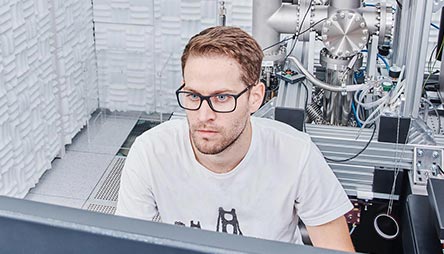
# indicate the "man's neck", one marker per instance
pixel 227 160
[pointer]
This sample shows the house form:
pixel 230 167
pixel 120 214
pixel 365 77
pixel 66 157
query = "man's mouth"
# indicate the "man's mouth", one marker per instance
pixel 206 133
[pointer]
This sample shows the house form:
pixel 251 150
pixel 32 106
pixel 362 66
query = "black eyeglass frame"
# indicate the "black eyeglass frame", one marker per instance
pixel 207 98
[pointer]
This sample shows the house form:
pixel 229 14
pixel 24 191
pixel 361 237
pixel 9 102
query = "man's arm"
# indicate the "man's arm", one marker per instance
pixel 135 197
pixel 331 235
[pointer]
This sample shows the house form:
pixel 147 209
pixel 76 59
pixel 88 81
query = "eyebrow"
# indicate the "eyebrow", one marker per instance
pixel 221 91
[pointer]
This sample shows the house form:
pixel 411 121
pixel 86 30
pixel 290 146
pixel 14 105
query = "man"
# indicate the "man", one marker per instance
pixel 225 171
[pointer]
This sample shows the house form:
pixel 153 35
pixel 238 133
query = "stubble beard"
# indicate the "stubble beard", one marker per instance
pixel 204 146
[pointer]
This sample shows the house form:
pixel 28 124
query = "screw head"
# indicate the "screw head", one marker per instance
pixel 420 152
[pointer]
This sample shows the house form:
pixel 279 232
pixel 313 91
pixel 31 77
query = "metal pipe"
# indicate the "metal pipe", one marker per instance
pixel 337 107
pixel 285 19
pixel 264 34
pixel 371 16
pixel 321 84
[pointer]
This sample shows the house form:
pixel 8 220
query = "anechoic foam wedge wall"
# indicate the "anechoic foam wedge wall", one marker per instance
pixel 139 44
pixel 49 80
pixel 48 85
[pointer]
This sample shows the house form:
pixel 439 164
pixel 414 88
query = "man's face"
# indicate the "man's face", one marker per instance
pixel 212 132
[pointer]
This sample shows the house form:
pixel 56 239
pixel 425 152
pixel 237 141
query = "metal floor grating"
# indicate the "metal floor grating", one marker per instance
pixel 103 198
pixel 101 208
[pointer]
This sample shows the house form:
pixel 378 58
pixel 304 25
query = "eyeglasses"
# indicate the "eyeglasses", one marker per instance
pixel 220 103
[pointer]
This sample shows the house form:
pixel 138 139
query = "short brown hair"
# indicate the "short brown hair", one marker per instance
pixel 231 42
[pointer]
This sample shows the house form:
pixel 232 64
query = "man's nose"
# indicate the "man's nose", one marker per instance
pixel 205 112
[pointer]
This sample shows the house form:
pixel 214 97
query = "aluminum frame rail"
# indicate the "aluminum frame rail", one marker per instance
pixel 357 175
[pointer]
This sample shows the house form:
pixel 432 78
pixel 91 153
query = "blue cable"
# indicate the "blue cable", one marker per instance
pixel 387 66
pixel 353 106
pixel 435 26
pixel 371 5
pixel 354 113
pixel 359 74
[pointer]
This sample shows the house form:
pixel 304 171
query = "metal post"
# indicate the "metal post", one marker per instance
pixel 372 56
pixel 439 56
pixel 402 32
pixel 416 55
pixel 222 14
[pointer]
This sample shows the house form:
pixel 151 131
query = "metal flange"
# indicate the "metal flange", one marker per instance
pixel 345 33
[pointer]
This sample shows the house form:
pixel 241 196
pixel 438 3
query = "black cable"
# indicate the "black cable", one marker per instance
pixel 294 35
pixel 277 43
pixel 306 94
pixel 440 169
pixel 299 31
pixel 399 4
pixel 306 102
pixel 314 24
pixel 359 153
pixel 429 65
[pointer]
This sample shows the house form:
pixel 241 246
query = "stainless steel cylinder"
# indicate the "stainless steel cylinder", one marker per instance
pixel 337 107
pixel 285 19
pixel 372 19
pixel 345 4
pixel 264 34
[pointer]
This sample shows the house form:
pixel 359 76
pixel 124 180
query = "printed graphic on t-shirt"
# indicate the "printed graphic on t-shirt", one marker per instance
pixel 224 219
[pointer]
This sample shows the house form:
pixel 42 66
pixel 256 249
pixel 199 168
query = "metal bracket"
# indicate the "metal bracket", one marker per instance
pixel 427 162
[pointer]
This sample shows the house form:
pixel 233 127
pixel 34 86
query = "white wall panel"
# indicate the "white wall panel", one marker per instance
pixel 74 44
pixel 46 60
pixel 136 12
pixel 164 29
pixel 125 62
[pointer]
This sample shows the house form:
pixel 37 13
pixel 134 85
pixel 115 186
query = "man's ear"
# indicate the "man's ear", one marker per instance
pixel 257 94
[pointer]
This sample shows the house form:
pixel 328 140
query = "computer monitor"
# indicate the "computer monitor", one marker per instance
pixel 31 227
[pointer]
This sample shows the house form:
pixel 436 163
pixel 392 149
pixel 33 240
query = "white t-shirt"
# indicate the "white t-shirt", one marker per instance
pixel 282 176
